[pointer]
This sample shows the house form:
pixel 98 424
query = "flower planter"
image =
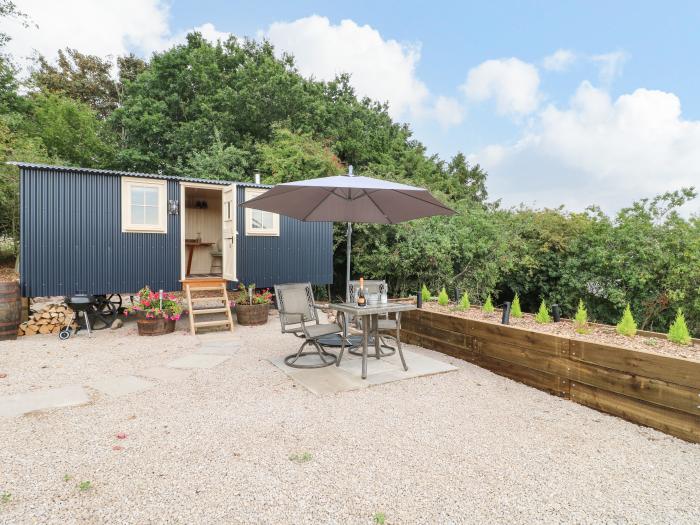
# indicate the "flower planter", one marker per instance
pixel 252 314
pixel 157 326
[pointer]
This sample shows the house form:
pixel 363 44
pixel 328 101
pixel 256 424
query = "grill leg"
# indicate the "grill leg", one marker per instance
pixel 87 323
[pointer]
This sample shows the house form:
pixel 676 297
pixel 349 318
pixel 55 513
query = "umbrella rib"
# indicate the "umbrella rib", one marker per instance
pixel 377 206
pixel 438 203
pixel 328 194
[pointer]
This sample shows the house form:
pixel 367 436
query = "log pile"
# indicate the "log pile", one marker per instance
pixel 48 319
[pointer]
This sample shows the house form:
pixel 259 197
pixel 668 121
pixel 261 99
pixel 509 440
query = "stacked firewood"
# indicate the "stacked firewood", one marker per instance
pixel 48 319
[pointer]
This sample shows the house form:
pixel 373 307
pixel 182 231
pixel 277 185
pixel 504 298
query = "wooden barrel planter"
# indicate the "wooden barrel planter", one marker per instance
pixel 10 310
pixel 159 326
pixel 252 314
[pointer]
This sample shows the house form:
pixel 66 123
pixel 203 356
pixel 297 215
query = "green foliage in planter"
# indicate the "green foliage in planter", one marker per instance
pixel 515 309
pixel 678 332
pixel 488 305
pixel 543 316
pixel 464 303
pixel 581 318
pixel 627 325
pixel 425 293
pixel 443 298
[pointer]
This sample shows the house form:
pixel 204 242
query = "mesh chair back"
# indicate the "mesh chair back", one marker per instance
pixel 296 298
pixel 372 287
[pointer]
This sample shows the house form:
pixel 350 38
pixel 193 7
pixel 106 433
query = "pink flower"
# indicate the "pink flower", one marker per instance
pixel 175 317
pixel 146 302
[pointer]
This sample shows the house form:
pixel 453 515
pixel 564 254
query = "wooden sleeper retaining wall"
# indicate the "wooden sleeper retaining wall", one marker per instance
pixel 658 391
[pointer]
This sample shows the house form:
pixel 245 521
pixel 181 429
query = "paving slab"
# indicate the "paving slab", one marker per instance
pixel 348 376
pixel 121 385
pixel 198 361
pixel 49 398
pixel 163 373
pixel 220 348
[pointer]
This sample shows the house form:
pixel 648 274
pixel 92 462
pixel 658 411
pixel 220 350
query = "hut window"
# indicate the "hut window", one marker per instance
pixel 144 205
pixel 258 222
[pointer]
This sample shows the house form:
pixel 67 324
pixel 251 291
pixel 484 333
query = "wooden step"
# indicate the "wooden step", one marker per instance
pixel 205 288
pixel 201 299
pixel 211 323
pixel 209 311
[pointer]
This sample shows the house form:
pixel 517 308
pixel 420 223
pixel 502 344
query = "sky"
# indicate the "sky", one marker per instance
pixel 563 103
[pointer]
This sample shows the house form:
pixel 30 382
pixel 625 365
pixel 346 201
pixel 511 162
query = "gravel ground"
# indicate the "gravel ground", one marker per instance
pixel 596 333
pixel 463 447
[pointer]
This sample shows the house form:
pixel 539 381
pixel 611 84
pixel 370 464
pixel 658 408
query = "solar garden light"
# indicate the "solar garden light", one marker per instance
pixel 506 313
pixel 556 313
pixel 419 297
pixel 250 294
pixel 160 294
pixel 458 293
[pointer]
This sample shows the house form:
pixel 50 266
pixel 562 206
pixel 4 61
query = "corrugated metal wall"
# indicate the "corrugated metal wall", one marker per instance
pixel 71 238
pixel 302 252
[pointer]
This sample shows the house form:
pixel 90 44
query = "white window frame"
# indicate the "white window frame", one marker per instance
pixel 257 232
pixel 127 225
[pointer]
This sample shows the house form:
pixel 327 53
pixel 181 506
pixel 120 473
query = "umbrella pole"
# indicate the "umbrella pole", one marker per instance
pixel 347 263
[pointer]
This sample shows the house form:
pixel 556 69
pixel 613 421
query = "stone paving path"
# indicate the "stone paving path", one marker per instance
pixel 213 350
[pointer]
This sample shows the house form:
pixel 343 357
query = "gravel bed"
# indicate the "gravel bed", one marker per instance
pixel 596 333
pixel 215 447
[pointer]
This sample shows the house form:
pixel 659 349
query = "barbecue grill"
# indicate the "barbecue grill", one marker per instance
pixel 95 312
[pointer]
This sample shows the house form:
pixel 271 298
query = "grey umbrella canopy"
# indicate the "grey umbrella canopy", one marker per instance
pixel 347 198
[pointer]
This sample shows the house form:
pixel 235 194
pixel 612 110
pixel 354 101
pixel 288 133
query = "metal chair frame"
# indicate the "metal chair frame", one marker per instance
pixel 297 323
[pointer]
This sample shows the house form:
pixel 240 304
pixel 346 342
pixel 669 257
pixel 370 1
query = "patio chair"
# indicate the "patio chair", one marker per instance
pixel 299 316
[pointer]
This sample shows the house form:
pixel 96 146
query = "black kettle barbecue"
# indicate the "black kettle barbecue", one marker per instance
pixel 96 312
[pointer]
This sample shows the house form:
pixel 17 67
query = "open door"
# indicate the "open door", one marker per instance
pixel 228 244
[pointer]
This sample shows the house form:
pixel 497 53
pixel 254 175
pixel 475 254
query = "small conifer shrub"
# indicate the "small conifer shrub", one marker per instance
pixel 464 303
pixel 425 293
pixel 678 332
pixel 488 305
pixel 581 318
pixel 627 325
pixel 543 316
pixel 515 309
pixel 443 298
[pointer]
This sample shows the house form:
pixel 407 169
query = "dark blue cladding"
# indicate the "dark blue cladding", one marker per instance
pixel 71 240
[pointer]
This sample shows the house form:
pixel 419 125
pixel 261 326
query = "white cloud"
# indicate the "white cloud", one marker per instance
pixel 513 84
pixel 95 27
pixel 599 150
pixel 208 31
pixel 560 60
pixel 610 65
pixel 447 111
pixel 381 69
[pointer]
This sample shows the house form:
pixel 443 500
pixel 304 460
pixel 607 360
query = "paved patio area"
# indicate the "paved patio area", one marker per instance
pixel 187 429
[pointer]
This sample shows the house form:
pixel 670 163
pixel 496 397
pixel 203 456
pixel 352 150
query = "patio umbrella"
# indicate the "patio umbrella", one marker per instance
pixel 349 198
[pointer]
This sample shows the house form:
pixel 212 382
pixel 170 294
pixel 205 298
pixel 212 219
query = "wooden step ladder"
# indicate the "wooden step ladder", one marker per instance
pixel 205 285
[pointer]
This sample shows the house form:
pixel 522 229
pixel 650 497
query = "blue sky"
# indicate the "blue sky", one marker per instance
pixel 613 116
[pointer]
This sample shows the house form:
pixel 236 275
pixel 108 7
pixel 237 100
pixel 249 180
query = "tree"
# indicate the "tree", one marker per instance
pixel 488 305
pixel 218 162
pixel 515 309
pixel 542 315
pixel 293 156
pixel 85 78
pixel 70 131
pixel 627 325
pixel 464 303
pixel 678 332
pixel 443 298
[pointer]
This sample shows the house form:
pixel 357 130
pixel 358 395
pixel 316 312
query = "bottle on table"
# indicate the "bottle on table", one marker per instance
pixel 361 299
